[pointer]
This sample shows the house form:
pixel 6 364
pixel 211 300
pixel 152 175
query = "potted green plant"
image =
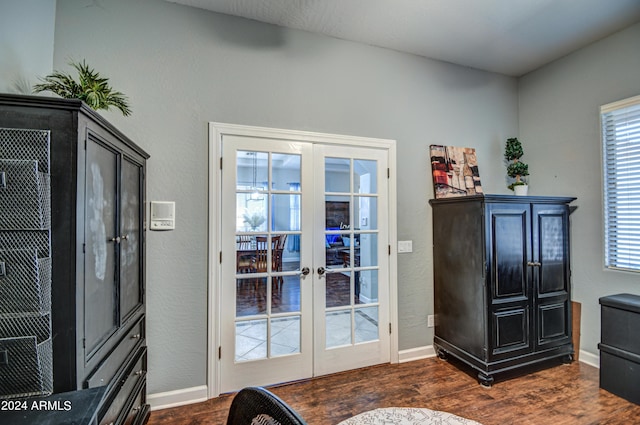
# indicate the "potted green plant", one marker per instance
pixel 516 169
pixel 91 88
pixel 254 221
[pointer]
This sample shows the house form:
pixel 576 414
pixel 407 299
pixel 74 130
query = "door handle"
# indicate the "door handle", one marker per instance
pixel 321 271
pixel 533 264
pixel 305 271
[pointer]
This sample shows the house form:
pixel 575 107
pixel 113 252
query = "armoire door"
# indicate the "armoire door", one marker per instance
pixel 100 237
pixel 510 298
pixel 551 274
pixel 131 237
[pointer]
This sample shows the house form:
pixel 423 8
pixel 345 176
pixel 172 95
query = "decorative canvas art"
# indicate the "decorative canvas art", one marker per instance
pixel 455 171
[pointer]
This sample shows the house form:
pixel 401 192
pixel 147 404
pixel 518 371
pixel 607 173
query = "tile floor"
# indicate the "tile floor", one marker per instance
pixel 251 336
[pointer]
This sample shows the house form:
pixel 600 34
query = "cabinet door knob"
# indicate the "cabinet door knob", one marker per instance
pixel 533 264
pixel 139 372
pixel 116 239
pixel 135 336
pixel 124 237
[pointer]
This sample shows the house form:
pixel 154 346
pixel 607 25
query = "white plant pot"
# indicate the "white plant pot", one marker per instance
pixel 521 190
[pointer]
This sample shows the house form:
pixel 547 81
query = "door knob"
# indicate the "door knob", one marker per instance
pixel 321 270
pixel 305 271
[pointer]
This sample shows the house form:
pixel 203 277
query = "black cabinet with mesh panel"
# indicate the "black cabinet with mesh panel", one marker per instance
pixel 502 293
pixel 95 248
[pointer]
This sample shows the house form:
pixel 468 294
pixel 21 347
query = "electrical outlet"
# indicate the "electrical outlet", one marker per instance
pixel 431 321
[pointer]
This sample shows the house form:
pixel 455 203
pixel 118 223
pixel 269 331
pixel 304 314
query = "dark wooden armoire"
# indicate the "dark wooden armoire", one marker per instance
pixel 88 258
pixel 502 291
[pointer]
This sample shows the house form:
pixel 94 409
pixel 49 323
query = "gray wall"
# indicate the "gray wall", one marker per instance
pixel 26 42
pixel 183 67
pixel 559 127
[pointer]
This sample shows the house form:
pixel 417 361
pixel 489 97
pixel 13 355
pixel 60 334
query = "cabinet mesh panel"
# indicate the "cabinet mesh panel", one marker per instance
pixel 27 367
pixel 26 355
pixel 25 282
pixel 24 196
pixel 21 144
pixel 26 239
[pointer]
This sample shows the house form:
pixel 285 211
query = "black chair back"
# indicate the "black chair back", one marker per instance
pixel 258 406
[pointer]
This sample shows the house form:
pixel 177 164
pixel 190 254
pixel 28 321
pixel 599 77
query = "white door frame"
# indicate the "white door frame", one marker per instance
pixel 216 133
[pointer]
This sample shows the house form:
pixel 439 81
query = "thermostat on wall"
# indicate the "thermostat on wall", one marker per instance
pixel 163 215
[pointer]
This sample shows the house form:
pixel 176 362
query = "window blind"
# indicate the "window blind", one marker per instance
pixel 621 165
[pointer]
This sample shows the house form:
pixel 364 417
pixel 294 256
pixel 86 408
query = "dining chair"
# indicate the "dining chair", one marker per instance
pixel 244 261
pixel 277 257
pixel 256 405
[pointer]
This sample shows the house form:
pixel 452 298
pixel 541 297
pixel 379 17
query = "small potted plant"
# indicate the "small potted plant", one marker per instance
pixel 516 169
pixel 91 88
pixel 254 221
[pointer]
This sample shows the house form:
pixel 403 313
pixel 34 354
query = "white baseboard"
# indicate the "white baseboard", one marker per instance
pixel 589 358
pixel 428 351
pixel 177 397
pixel 416 353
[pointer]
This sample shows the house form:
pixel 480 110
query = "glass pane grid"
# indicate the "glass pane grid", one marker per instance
pixel 269 324
pixel 282 332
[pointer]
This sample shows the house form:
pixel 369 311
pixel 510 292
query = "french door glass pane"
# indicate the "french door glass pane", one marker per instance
pixel 337 212
pixel 366 211
pixel 337 175
pixel 368 250
pixel 283 218
pixel 367 289
pixel 252 170
pixel 338 292
pixel 251 337
pixel 366 324
pixel 251 212
pixel 285 336
pixel 365 176
pixel 285 171
pixel 285 294
pixel 338 328
pixel 249 300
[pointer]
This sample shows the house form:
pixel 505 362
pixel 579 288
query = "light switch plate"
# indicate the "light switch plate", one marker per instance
pixel 405 246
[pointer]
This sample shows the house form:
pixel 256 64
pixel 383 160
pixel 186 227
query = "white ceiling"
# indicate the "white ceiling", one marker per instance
pixel 510 37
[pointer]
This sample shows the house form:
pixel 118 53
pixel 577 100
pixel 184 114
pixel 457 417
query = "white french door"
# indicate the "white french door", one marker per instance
pixel 304 271
pixel 351 285
pixel 266 293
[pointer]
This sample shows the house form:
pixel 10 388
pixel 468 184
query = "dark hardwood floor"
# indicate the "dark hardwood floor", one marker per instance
pixel 559 395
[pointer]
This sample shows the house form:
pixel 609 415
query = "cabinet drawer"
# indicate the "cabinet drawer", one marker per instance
pixel 139 409
pixel 133 378
pixel 114 361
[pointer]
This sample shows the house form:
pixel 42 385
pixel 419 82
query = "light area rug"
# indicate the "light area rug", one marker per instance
pixel 407 416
